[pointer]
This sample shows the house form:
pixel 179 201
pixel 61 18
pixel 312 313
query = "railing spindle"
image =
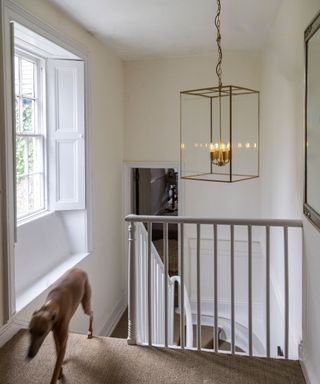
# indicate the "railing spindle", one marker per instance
pixel 165 232
pixel 198 291
pixel 232 290
pixel 149 285
pixel 215 257
pixel 132 335
pixel 250 289
pixel 268 290
pixel 286 294
pixel 182 341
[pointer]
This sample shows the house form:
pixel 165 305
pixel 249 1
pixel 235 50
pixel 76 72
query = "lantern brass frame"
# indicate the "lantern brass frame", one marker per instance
pixel 212 93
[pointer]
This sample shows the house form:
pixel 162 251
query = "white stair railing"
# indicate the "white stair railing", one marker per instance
pixel 151 299
pixel 152 285
pixel 187 311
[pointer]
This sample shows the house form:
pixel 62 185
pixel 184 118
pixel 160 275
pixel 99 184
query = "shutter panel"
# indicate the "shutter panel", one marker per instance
pixel 65 90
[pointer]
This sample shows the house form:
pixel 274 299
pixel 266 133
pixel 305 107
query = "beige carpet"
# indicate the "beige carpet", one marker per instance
pixel 111 360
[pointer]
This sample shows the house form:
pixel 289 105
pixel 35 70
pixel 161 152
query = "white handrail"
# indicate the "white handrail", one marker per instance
pixel 218 221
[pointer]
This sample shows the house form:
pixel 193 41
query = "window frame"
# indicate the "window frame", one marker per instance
pixel 40 124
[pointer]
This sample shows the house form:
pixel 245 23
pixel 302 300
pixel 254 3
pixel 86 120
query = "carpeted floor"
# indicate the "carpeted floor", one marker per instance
pixel 112 361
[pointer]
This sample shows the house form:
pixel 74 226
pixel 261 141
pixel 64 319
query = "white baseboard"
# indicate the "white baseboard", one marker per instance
pixel 14 325
pixel 308 371
pixel 112 320
pixel 10 329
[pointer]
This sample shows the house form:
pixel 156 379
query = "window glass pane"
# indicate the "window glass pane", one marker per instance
pixel 27 69
pixel 17 115
pixel 21 156
pixel 16 75
pixel 22 196
pixel 30 177
pixel 35 157
pixel 35 192
pixel 28 115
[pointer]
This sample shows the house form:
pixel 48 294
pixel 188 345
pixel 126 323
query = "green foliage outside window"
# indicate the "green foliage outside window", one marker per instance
pixel 24 144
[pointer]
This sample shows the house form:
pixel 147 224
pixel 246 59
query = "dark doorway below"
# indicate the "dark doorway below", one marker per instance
pixel 155 192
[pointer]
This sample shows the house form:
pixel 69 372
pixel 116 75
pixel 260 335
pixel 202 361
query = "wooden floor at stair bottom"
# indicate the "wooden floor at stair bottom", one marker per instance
pixel 109 360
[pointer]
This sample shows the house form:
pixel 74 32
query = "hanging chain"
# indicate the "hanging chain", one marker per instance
pixel 217 23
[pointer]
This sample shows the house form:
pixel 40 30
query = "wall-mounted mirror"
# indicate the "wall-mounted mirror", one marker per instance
pixel 312 122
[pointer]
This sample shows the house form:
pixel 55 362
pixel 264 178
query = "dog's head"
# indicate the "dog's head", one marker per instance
pixel 40 325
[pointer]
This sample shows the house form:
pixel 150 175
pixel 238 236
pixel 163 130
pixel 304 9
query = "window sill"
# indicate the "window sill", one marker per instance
pixel 35 216
pixel 24 298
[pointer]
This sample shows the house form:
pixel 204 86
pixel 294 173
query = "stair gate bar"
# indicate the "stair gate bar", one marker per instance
pixel 149 285
pixel 161 304
pixel 215 256
pixel 286 295
pixel 268 290
pixel 165 232
pixel 182 341
pixel 232 289
pixel 198 291
pixel 132 335
pixel 155 301
pixel 250 289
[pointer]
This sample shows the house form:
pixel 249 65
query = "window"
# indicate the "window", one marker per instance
pixel 44 154
pixel 30 135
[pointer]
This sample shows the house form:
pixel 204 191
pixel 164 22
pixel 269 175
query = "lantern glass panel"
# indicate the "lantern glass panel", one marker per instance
pixel 245 136
pixel 220 134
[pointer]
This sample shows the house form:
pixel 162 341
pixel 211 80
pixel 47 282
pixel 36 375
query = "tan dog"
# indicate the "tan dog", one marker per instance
pixel 62 301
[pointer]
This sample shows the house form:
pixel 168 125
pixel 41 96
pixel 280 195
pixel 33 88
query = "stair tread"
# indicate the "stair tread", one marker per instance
pixel 207 333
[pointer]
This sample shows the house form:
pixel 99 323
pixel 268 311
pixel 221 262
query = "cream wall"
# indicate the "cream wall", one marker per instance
pixel 152 123
pixel 282 177
pixel 106 87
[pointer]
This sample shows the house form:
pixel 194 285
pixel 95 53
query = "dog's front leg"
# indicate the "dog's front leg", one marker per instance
pixel 58 349
pixel 60 337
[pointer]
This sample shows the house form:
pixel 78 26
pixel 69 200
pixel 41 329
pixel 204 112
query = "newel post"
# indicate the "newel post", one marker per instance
pixel 132 335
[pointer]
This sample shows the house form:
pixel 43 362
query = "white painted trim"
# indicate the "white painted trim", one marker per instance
pixel 224 310
pixel 9 172
pixel 224 247
pixel 34 23
pixel 14 325
pixel 107 328
pixel 42 284
pixel 8 331
pixel 14 12
pixel 307 369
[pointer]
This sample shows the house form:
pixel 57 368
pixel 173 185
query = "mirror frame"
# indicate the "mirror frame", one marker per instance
pixel 308 210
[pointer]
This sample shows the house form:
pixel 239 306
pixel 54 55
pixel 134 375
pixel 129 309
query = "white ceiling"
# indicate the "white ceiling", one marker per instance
pixel 138 29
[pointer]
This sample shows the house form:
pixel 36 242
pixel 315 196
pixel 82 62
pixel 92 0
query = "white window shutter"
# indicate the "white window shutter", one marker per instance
pixel 66 134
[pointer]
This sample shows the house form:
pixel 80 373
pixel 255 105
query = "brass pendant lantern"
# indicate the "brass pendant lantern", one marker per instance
pixel 219 130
